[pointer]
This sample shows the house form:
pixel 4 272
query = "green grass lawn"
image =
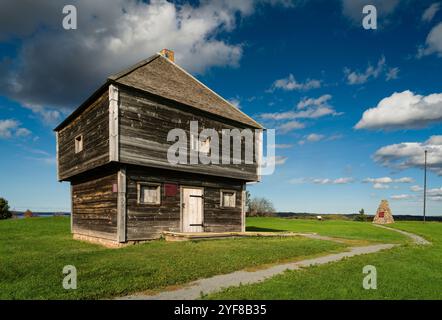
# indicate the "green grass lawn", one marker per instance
pixel 335 228
pixel 34 251
pixel 406 272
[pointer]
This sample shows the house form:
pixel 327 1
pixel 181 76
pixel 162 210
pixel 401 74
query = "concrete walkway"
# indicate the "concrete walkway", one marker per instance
pixel 195 289
pixel 210 285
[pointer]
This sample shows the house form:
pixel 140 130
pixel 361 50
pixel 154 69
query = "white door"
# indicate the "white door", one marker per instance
pixel 192 203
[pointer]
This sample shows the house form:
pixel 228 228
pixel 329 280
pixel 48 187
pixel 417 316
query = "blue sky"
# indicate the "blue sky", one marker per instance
pixel 306 68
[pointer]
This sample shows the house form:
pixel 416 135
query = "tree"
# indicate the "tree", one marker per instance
pixel 261 207
pixel 361 216
pixel 248 200
pixel 4 209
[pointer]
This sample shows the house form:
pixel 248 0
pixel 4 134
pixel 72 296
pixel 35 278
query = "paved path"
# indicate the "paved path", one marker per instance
pixel 195 289
pixel 416 239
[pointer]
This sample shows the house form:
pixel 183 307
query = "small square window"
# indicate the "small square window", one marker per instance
pixel 79 143
pixel 228 199
pixel 149 194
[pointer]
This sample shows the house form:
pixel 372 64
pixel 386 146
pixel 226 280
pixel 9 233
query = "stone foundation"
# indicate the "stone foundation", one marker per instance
pixel 104 242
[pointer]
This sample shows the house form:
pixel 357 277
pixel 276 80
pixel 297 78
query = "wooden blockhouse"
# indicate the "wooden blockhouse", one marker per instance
pixel 113 151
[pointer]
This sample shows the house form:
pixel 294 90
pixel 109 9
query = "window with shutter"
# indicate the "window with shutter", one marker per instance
pixel 228 199
pixel 149 194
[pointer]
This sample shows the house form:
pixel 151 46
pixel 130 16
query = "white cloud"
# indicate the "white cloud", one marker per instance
pixel 318 102
pixel 435 192
pixel 433 43
pixel 345 180
pixel 10 128
pixel 112 35
pixel 6 128
pixel 416 188
pixel 322 181
pixel 430 12
pixel 290 84
pixel 276 160
pixel 411 155
pixel 51 160
pixel 236 102
pixel 404 110
pixel 384 182
pixel 22 132
pixel 356 77
pixel 401 197
pixel 380 186
pixel 282 146
pixel 314 137
pixel 47 115
pixel 290 126
pixel 392 74
pixel 404 180
pixel 307 108
pixel 297 180
pixel 435 140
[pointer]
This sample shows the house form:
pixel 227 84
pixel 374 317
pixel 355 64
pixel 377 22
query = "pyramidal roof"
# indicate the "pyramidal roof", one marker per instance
pixel 162 77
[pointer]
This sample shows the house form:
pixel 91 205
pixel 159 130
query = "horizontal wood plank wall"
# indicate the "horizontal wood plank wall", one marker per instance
pixel 94 205
pixel 93 124
pixel 148 221
pixel 145 121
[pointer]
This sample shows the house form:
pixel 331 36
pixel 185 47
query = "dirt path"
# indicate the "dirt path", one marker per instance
pixel 195 289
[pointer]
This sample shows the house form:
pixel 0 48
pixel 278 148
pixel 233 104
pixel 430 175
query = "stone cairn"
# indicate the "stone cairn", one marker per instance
pixel 383 215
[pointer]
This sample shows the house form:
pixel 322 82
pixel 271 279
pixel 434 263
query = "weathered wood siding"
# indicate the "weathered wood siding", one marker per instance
pixel 93 124
pixel 148 221
pixel 94 205
pixel 145 121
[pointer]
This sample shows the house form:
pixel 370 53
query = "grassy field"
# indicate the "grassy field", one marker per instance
pixel 334 228
pixel 34 251
pixel 406 272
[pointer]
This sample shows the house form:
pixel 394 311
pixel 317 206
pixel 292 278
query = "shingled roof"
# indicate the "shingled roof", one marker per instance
pixel 162 77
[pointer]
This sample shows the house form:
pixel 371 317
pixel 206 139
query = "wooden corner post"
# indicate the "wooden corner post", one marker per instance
pixel 113 123
pixel 243 208
pixel 121 206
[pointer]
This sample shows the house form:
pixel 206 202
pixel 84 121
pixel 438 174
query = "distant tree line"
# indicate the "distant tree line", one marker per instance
pixel 259 206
